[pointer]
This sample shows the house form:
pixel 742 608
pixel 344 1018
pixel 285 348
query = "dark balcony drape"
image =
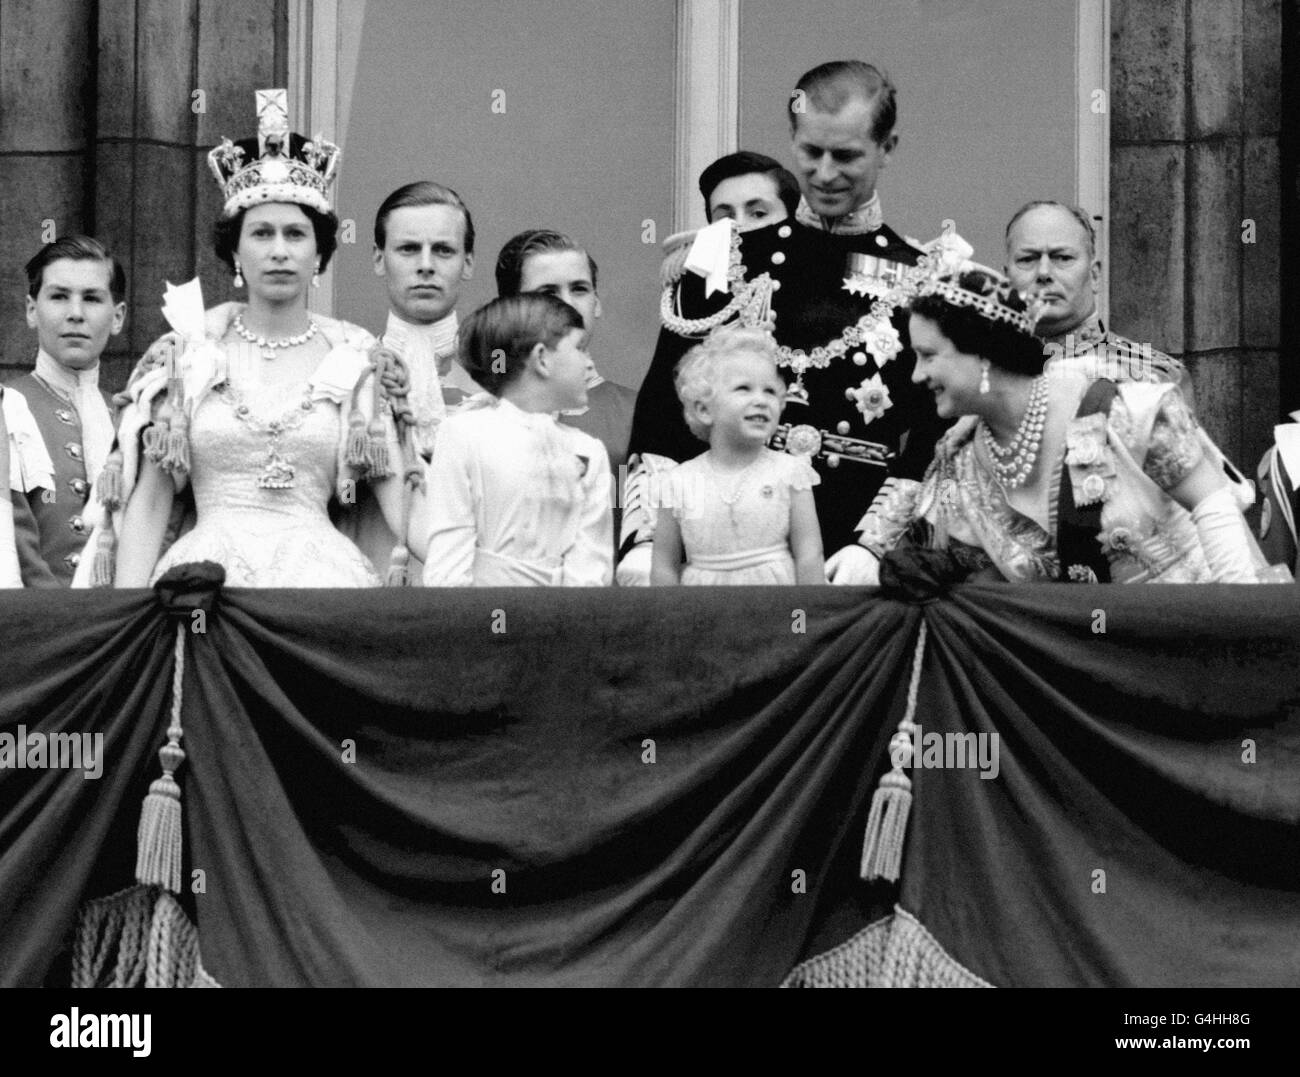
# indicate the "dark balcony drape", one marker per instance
pixel 573 787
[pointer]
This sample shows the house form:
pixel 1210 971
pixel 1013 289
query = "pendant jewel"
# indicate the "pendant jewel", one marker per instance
pixel 277 471
pixel 798 392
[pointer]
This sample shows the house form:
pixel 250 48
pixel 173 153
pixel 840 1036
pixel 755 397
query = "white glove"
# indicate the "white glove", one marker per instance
pixel 1224 538
pixel 634 569
pixel 853 565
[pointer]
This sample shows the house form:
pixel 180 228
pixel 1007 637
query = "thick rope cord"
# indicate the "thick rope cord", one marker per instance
pixel 896 951
pixel 386 362
pixel 158 841
pixel 115 924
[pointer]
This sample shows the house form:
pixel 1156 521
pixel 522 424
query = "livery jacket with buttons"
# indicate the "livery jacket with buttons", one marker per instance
pixel 813 308
pixel 48 526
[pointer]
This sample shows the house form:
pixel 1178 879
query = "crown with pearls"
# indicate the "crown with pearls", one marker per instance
pixel 277 165
pixel 946 270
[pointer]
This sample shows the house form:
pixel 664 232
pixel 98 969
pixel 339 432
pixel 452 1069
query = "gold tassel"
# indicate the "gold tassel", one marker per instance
pixel 177 457
pixel 111 482
pixel 891 804
pixel 105 565
pixel 399 567
pixel 882 845
pixel 356 448
pixel 158 840
pixel 155 438
pixel 376 441
pixel 377 451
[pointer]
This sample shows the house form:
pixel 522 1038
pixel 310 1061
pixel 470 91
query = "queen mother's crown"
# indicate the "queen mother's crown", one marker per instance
pixel 945 270
pixel 277 166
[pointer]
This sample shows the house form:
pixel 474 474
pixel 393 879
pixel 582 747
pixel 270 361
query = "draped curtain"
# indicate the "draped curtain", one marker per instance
pixel 670 787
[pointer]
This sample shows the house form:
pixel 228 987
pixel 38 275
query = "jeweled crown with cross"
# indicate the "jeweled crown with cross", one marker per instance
pixel 277 165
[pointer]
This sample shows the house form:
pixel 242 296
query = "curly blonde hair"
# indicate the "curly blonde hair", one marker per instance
pixel 696 375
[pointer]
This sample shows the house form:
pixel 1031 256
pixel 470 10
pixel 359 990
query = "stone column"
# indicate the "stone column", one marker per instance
pixel 175 76
pixel 1196 196
pixel 45 81
pixel 107 110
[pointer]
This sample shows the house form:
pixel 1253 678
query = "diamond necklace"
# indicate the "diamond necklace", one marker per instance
pixel 268 346
pixel 737 484
pixel 1014 464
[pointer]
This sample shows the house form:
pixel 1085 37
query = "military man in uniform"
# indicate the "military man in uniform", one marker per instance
pixel 1052 257
pixel 830 277
pixel 76 294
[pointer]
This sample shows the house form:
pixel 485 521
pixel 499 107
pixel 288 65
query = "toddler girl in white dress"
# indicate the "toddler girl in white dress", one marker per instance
pixel 740 512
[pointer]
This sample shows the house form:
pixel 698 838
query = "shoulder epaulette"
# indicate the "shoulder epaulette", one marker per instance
pixel 676 247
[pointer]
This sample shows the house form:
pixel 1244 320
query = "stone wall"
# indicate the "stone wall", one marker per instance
pixel 101 132
pixel 1197 144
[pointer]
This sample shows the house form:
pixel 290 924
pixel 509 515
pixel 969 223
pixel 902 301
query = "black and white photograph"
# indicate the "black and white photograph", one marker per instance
pixel 597 493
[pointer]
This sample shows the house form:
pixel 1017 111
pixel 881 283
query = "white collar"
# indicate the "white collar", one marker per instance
pixel 866 218
pixel 440 335
pixel 61 379
pixel 529 418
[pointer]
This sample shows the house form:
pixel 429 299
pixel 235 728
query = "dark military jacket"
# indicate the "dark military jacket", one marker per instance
pixel 1279 504
pixel 812 309
pixel 48 526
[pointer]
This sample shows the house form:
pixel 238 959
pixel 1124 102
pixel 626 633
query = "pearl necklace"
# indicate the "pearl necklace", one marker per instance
pixel 737 483
pixel 1014 464
pixel 268 346
pixel 731 497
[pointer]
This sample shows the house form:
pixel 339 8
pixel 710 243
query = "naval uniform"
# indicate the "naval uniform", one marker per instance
pixel 1097 352
pixel 813 308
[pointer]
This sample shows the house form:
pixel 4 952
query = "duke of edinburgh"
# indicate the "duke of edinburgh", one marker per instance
pixel 830 285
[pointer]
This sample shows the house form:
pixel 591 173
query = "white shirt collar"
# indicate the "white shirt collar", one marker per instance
pixel 440 335
pixel 63 380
